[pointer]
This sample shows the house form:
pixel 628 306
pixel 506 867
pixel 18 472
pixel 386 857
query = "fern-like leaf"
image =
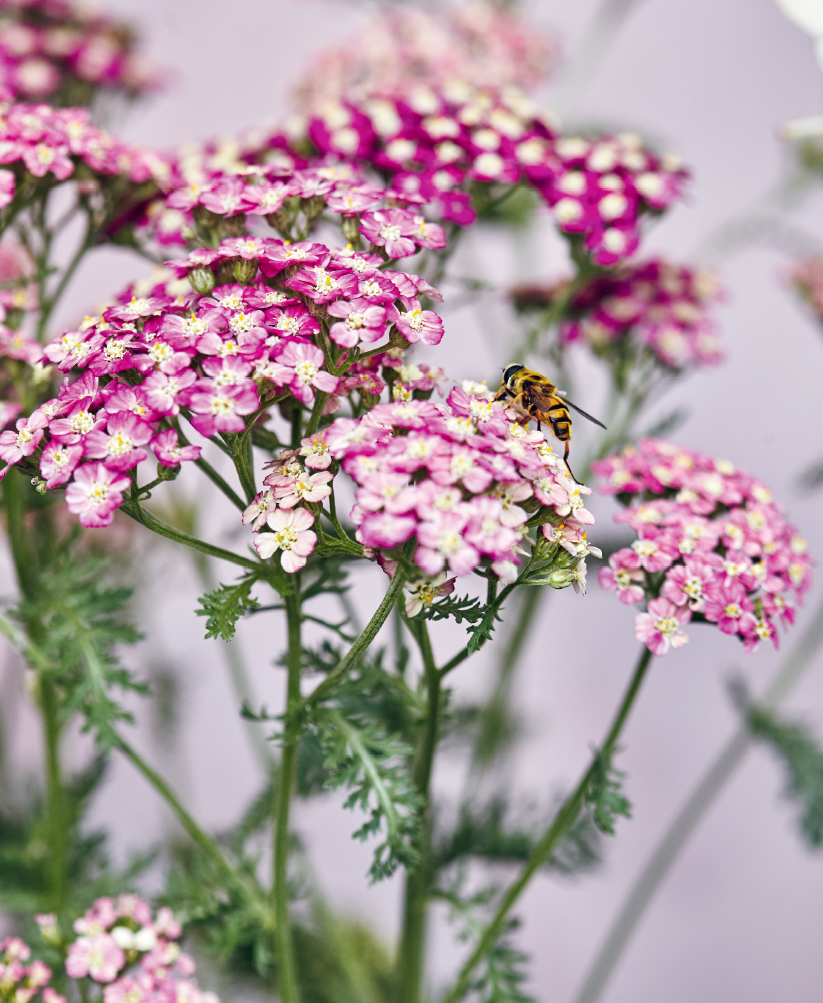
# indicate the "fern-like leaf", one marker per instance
pixel 225 605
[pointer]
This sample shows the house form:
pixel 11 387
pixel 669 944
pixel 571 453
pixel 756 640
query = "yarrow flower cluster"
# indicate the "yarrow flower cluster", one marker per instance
pixel 56 49
pixel 712 546
pixel 217 356
pixel 36 140
pixel 655 305
pixel 434 143
pixel 22 983
pixel 461 480
pixel 133 953
pixel 399 49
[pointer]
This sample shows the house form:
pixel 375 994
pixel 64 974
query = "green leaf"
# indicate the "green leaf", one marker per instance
pixel 605 795
pixel 226 605
pixel 802 757
pixel 79 622
pixel 371 763
pixel 500 975
pixel 462 608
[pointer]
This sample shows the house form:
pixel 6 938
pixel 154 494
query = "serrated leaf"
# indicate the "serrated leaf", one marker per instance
pixel 372 764
pixel 605 795
pixel 225 605
pixel 802 758
pixel 466 608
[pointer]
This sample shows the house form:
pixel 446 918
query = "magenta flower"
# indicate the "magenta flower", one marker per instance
pixel 168 450
pixel 692 582
pixel 291 534
pixel 57 462
pixel 420 325
pixel 302 370
pixel 120 446
pixel 315 451
pixel 15 445
pixel 623 575
pixel 360 321
pixel 6 188
pixel 660 626
pixel 392 229
pixel 323 285
pixel 167 392
pixel 731 609
pixel 221 409
pixel 97 956
pixel 94 494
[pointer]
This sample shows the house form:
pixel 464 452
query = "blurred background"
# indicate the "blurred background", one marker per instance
pixel 739 916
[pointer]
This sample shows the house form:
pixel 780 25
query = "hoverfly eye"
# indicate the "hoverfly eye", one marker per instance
pixel 511 370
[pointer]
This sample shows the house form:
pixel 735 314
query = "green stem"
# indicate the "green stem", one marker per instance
pixel 564 820
pixel 287 976
pixel 316 414
pixel 208 845
pixel 418 881
pixel 364 640
pixel 690 815
pixel 244 465
pixel 58 862
pixel 224 486
pixel 145 518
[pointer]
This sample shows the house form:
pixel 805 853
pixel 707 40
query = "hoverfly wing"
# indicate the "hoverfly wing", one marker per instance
pixel 585 414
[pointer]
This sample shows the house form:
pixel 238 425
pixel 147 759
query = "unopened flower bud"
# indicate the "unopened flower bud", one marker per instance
pixel 49 930
pixel 39 485
pixel 202 279
pixel 560 578
pixel 313 207
pixel 396 339
pixel 245 270
pixel 351 232
pixel 167 473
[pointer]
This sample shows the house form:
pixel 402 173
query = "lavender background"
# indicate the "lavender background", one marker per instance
pixel 740 915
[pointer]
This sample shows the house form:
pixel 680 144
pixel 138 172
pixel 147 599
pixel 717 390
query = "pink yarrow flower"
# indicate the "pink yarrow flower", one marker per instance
pixel 661 626
pixel 95 492
pixel 97 956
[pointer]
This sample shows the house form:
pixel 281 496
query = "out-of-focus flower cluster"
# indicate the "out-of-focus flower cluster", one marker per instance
pixel 57 50
pixel 653 305
pixel 480 43
pixel 464 482
pixel 36 140
pixel 22 983
pixel 433 144
pixel 806 276
pixel 270 320
pixel 134 953
pixel 712 545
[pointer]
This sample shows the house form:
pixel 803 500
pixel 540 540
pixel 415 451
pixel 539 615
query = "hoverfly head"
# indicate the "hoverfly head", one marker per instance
pixel 511 370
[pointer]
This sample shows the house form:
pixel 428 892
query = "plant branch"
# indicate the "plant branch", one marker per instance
pixel 564 820
pixel 690 815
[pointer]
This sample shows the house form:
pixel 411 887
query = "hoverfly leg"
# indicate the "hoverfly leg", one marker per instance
pixel 566 461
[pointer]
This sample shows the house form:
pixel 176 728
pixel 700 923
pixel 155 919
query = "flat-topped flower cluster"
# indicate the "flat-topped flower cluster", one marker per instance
pixel 218 356
pixel 36 140
pixel 712 545
pixel 134 953
pixel 21 982
pixel 461 479
pixel 401 48
pixel 57 49
pixel 655 305
pixel 432 143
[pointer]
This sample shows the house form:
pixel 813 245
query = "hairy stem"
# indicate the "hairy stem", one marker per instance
pixel 690 815
pixel 564 820
pixel 418 881
pixel 145 518
pixel 287 976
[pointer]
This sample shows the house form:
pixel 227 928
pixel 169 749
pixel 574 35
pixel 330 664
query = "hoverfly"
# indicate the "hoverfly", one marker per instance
pixel 542 401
